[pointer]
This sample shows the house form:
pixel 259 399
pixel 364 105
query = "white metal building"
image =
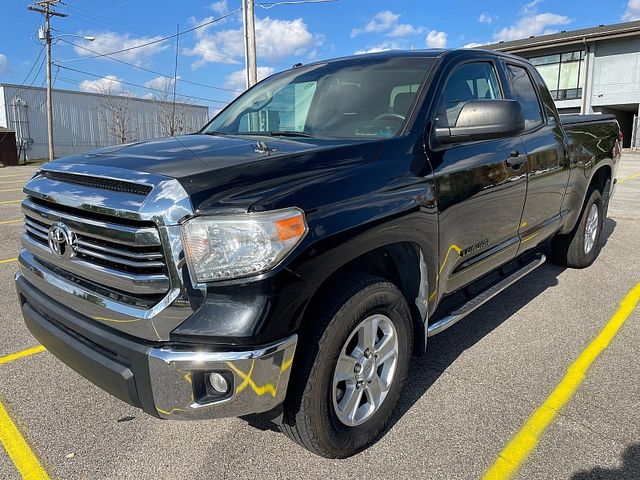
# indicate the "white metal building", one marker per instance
pixel 593 70
pixel 85 121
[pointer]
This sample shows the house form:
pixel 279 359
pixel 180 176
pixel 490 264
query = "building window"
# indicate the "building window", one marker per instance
pixel 563 73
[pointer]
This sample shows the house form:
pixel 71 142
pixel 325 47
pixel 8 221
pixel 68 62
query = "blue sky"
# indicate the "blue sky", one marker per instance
pixel 212 56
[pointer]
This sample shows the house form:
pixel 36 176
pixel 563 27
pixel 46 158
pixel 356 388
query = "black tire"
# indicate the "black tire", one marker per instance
pixel 309 415
pixel 569 250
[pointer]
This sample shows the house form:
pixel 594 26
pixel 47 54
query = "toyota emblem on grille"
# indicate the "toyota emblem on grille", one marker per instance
pixel 62 241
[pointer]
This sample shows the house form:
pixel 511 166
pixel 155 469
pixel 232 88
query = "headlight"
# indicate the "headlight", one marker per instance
pixel 231 246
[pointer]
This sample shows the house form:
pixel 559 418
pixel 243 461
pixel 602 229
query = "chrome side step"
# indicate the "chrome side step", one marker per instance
pixel 457 315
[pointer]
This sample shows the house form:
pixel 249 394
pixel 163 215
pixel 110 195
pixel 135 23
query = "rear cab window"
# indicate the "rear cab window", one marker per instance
pixel 525 93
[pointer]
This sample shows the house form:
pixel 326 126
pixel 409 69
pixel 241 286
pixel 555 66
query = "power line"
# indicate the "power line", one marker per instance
pixel 269 5
pixel 153 42
pixel 138 85
pixel 147 69
pixel 92 17
pixel 22 85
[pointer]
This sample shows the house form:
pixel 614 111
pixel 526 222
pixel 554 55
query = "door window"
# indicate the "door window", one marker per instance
pixel 525 93
pixel 471 81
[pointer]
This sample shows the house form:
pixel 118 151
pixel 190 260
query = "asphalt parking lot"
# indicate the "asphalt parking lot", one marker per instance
pixel 480 383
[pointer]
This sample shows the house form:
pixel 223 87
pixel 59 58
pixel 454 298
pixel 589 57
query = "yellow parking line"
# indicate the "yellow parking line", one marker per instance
pixel 630 177
pixel 13 181
pixel 17 175
pixel 8 260
pixel 522 444
pixel 10 190
pixel 6 222
pixel 6 202
pixel 25 461
pixel 23 353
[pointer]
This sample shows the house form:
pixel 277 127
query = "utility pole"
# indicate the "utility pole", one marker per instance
pixel 44 7
pixel 249 29
pixel 175 81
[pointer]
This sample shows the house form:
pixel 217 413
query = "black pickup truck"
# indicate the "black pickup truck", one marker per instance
pixel 289 259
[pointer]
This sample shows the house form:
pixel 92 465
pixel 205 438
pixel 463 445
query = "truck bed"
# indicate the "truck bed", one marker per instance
pixel 574 119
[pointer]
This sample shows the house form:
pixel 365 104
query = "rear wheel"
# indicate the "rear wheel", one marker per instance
pixel 580 248
pixel 350 369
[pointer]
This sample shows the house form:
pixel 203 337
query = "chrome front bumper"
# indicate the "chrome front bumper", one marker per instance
pixel 260 379
pixel 166 382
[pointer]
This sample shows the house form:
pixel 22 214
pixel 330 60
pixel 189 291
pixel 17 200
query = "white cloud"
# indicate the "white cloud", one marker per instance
pixel 220 7
pixel 532 24
pixel 381 47
pixel 485 18
pixel 161 83
pixel 632 12
pixel 404 29
pixel 107 42
pixel 109 84
pixel 436 39
pixel 388 22
pixel 381 21
pixel 275 39
pixel 473 45
pixel 5 66
pixel 530 7
pixel 237 80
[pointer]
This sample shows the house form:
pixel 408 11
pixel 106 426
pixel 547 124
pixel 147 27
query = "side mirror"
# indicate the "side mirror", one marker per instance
pixel 483 120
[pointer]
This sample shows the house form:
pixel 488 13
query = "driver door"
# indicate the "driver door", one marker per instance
pixel 481 185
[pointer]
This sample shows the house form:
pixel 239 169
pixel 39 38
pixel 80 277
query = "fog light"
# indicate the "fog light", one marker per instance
pixel 219 383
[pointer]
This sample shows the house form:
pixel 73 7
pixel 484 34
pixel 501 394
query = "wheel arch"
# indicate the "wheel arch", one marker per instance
pixel 602 179
pixel 402 263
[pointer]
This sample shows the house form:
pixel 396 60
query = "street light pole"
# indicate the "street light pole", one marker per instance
pixel 44 7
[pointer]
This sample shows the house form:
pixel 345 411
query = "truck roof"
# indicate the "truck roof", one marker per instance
pixel 425 53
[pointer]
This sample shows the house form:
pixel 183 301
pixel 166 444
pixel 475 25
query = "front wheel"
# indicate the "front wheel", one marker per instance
pixel 350 368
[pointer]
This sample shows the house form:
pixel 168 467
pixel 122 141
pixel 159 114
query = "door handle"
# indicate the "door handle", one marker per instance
pixel 516 160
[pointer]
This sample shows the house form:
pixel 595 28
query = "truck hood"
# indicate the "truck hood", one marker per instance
pixel 232 171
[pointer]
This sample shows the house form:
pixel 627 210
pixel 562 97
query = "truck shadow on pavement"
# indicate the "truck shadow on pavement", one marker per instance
pixel 630 469
pixel 445 348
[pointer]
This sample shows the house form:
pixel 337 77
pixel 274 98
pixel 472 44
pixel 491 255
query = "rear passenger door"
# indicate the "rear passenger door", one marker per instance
pixel 480 196
pixel 547 161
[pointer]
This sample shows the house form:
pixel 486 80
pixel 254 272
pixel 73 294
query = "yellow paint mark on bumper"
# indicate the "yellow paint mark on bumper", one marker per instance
pixel 247 381
pixel 522 444
pixel 286 365
pixel 8 260
pixel 23 353
pixel 19 451
pixel 113 320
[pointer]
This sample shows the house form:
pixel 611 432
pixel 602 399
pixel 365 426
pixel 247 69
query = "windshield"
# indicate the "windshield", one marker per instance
pixel 358 97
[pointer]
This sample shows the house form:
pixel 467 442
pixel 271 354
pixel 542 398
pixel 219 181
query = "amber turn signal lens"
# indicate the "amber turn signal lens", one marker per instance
pixel 290 228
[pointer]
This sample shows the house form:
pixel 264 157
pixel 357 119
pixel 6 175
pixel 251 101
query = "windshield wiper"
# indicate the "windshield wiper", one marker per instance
pixel 290 133
pixel 215 133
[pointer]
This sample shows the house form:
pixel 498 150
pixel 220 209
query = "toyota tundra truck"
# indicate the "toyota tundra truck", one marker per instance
pixel 291 257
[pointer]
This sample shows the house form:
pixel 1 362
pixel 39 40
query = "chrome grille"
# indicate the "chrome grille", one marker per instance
pixel 125 256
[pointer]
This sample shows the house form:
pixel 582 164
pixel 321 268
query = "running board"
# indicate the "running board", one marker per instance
pixel 457 315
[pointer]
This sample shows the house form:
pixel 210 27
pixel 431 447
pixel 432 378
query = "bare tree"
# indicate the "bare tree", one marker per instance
pixel 115 112
pixel 170 115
